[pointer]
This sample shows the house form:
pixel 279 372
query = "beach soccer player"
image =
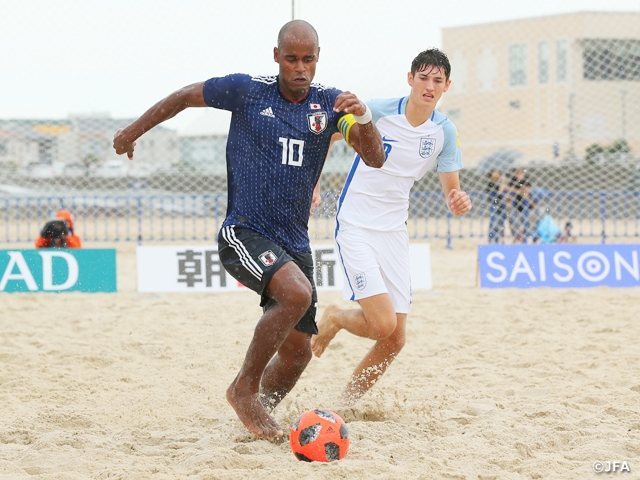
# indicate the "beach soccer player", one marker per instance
pixel 371 231
pixel 279 137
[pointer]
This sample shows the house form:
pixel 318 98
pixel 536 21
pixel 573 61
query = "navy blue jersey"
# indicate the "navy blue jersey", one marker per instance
pixel 275 153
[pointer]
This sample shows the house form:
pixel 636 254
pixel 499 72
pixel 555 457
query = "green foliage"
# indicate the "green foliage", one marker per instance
pixel 90 159
pixel 183 166
pixel 9 167
pixel 597 153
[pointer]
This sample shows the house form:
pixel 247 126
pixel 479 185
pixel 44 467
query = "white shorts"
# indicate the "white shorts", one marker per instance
pixel 375 262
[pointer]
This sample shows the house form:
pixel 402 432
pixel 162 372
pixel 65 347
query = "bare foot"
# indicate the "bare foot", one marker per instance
pixel 252 414
pixel 327 329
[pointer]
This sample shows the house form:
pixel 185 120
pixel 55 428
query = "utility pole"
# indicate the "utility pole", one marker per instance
pixel 293 8
pixel 623 119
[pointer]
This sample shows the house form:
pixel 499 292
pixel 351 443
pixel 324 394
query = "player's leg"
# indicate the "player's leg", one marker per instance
pixel 285 368
pixel 375 363
pixel 255 262
pixel 376 266
pixel 293 293
pixel 375 320
pixel 293 356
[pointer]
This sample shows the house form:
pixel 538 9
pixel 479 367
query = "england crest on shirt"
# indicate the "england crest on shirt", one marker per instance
pixel 360 281
pixel 427 147
pixel 317 121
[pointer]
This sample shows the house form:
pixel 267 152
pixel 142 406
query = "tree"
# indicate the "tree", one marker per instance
pixel 614 152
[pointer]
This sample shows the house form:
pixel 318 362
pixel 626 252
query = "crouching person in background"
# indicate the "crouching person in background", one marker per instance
pixel 58 233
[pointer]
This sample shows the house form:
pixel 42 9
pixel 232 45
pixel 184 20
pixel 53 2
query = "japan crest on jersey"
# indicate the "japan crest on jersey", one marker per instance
pixel 268 258
pixel 317 121
pixel 427 147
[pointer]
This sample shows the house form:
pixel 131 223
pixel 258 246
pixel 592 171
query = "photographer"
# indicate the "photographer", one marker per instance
pixel 58 233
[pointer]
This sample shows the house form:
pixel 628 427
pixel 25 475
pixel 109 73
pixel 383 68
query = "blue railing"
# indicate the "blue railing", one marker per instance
pixel 171 217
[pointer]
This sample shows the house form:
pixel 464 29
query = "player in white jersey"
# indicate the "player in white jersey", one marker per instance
pixel 371 232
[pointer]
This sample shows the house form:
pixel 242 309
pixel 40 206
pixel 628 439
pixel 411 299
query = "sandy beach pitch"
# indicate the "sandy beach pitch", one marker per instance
pixel 492 384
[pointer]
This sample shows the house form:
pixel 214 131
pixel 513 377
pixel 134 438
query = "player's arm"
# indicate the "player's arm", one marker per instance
pixel 458 201
pixel 189 96
pixel 363 135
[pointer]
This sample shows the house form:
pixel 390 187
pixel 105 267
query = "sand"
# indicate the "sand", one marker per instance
pixel 492 384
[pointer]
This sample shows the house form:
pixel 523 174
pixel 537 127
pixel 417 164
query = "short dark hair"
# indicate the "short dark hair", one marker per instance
pixel 431 57
pixel 287 27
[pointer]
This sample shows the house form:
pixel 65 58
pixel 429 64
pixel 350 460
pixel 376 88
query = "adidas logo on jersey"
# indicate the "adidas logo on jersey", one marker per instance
pixel 267 112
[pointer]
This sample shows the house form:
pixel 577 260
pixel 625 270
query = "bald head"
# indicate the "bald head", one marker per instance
pixel 297 30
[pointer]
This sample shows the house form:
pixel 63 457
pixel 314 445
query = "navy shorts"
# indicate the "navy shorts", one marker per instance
pixel 253 260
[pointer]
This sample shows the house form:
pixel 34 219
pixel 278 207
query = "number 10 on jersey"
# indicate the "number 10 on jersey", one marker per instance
pixel 290 147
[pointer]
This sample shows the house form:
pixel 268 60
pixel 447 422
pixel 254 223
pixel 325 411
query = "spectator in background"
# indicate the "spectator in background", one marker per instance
pixel 496 189
pixel 519 188
pixel 58 233
pixel 547 230
pixel 566 236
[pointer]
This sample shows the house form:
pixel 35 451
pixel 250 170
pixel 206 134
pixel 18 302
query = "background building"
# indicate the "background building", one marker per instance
pixel 80 146
pixel 548 88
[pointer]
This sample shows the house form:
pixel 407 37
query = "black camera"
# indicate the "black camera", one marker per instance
pixel 56 231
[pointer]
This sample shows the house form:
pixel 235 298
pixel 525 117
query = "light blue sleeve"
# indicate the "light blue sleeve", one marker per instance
pixel 450 158
pixel 385 107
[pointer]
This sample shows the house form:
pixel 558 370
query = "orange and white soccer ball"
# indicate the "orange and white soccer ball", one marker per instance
pixel 319 435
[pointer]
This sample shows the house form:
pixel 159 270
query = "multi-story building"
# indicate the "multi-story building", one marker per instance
pixel 547 88
pixel 79 140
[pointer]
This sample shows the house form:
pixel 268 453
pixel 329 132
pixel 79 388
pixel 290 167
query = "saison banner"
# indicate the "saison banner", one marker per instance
pixel 558 266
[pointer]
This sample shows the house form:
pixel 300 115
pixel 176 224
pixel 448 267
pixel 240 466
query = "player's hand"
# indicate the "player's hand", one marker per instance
pixel 348 102
pixel 122 144
pixel 459 202
pixel 315 201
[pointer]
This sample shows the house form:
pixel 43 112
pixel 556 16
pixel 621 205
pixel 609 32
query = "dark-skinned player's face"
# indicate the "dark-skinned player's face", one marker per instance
pixel 297 57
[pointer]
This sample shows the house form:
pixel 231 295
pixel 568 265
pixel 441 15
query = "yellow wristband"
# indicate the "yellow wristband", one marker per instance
pixel 344 125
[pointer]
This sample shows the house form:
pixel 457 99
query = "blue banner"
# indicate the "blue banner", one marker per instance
pixel 558 266
pixel 58 270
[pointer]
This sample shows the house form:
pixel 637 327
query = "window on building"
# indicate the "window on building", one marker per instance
pixel 518 64
pixel 611 59
pixel 562 57
pixel 543 62
pixel 3 149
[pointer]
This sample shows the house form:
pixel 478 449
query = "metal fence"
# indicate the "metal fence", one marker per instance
pixel 596 215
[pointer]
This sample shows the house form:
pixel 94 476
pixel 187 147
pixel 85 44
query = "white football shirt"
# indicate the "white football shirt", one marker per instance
pixel 378 198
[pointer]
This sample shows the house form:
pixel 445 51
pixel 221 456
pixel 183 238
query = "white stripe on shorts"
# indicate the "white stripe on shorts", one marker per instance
pixel 249 263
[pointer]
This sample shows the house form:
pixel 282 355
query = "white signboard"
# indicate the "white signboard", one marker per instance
pixel 198 269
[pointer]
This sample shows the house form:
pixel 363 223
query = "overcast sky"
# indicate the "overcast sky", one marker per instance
pixel 66 57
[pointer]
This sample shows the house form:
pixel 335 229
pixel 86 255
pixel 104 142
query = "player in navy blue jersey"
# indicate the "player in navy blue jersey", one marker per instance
pixel 280 133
